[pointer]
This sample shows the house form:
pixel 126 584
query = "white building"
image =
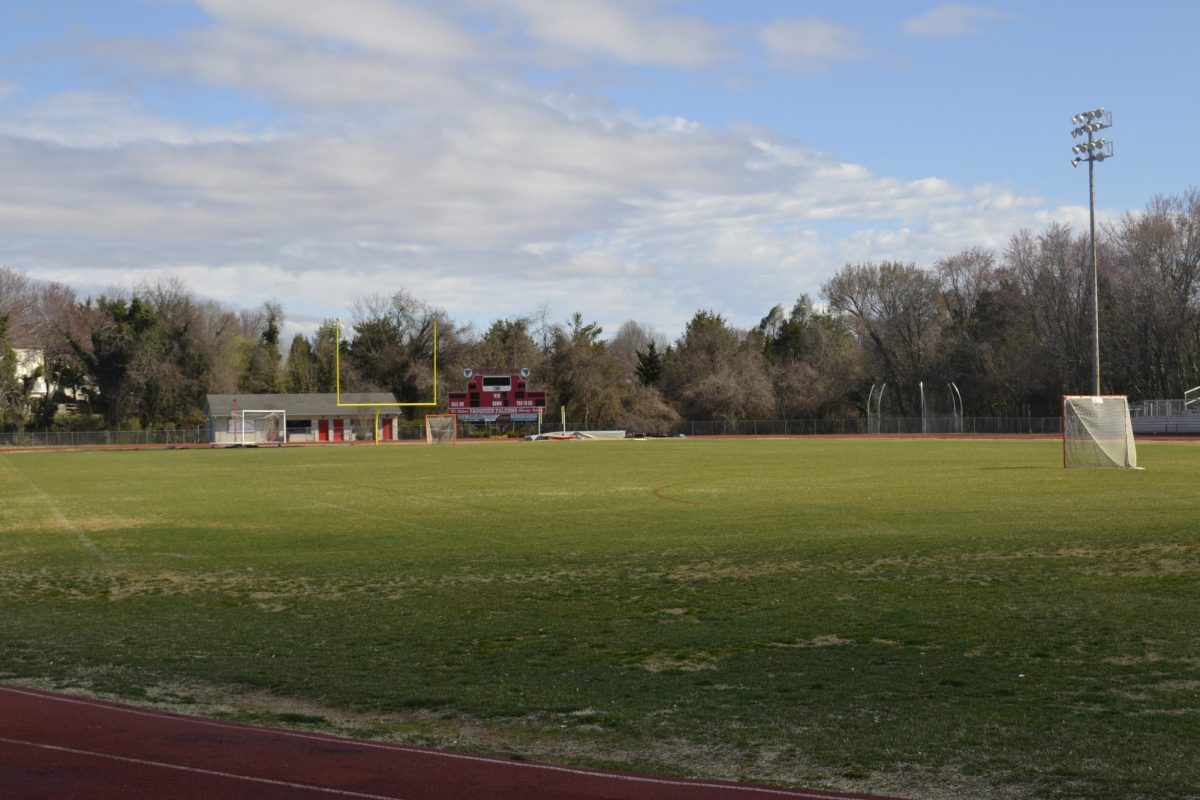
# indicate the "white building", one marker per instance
pixel 310 417
pixel 29 360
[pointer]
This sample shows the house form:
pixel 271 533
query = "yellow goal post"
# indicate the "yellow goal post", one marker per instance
pixel 378 407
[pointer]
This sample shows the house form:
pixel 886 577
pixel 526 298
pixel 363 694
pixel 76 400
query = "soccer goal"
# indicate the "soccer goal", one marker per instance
pixel 441 429
pixel 254 427
pixel 1097 432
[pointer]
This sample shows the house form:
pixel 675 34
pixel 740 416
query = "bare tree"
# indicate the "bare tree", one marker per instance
pixel 18 298
pixel 1051 278
pixel 259 349
pixel 632 339
pixel 393 345
pixel 1153 322
pixel 895 310
pixel 964 279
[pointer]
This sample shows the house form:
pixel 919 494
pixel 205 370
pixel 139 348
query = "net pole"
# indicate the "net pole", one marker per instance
pixel 1064 431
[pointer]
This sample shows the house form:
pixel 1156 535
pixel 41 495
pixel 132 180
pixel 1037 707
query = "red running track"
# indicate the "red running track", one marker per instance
pixel 66 747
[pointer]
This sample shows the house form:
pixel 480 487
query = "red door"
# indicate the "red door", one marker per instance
pixel 322 430
pixel 385 429
pixel 339 430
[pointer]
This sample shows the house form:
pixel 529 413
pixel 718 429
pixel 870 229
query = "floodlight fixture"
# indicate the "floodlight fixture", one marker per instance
pixel 1091 151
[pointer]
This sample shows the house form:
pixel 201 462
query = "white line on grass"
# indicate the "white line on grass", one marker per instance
pixel 59 515
pixel 400 748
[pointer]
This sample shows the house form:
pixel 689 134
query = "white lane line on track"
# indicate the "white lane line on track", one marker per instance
pixel 732 788
pixel 62 518
pixel 308 787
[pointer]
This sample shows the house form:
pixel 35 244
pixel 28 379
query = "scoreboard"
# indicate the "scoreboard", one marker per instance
pixel 493 393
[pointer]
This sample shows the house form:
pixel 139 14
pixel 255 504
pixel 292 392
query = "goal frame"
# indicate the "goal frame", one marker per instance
pixel 429 437
pixel 239 427
pixel 1129 449
pixel 337 376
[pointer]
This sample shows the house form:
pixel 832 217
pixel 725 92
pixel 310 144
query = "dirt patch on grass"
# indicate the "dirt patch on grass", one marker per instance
pixel 36 520
pixel 825 640
pixel 98 523
pixel 683 662
pixel 1149 658
pixel 730 570
pixel 1148 560
pixel 1176 686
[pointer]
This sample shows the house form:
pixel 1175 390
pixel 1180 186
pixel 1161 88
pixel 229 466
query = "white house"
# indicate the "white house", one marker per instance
pixel 29 360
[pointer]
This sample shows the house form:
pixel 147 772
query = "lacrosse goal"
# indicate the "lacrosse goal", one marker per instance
pixel 254 427
pixel 1097 432
pixel 441 429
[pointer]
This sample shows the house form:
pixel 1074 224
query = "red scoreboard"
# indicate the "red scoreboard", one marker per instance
pixel 493 393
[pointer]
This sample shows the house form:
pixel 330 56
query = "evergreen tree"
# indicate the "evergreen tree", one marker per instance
pixel 649 365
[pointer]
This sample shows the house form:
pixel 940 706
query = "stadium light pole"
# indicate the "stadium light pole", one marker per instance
pixel 1089 123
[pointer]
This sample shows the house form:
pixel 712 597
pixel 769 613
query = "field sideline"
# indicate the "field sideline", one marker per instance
pixel 924 618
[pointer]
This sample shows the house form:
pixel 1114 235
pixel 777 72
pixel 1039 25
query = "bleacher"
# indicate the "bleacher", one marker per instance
pixel 1171 417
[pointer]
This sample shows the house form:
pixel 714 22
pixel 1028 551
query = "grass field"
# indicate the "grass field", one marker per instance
pixel 927 618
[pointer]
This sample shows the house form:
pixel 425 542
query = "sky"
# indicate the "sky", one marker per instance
pixel 624 159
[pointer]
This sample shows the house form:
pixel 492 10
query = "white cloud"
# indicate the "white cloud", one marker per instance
pixel 512 209
pixel 632 32
pixel 303 73
pixel 92 119
pixel 812 43
pixel 399 29
pixel 952 20
pixel 402 164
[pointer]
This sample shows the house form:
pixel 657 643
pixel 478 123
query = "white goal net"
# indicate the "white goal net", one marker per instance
pixel 252 428
pixel 441 429
pixel 1097 432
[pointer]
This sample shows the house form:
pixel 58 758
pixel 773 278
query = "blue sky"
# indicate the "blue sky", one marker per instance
pixel 628 160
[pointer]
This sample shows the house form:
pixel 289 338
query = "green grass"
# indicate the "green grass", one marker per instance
pixel 926 618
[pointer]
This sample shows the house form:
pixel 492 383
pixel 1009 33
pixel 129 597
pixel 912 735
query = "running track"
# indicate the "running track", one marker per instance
pixel 68 748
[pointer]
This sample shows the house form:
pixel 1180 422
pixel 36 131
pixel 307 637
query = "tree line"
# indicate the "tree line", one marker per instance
pixel 1010 328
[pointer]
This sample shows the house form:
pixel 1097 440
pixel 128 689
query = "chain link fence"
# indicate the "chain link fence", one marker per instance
pixel 467 430
pixel 979 426
pixel 885 425
pixel 181 436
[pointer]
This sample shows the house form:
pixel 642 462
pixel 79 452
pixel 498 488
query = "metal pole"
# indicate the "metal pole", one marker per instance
pixel 1095 277
pixel 1092 151
pixel 870 397
pixel 921 388
pixel 961 411
pixel 879 409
